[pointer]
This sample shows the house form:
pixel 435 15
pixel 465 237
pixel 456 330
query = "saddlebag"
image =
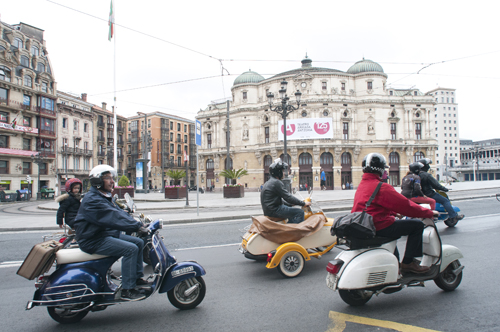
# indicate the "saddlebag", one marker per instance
pixel 39 260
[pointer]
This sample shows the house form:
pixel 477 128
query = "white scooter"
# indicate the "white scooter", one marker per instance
pixel 369 267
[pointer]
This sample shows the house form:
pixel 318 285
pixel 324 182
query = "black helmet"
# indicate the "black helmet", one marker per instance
pixel 97 172
pixel 426 162
pixel 276 168
pixel 416 167
pixel 374 163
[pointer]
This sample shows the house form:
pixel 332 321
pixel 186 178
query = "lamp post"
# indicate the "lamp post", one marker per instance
pixel 284 109
pixel 145 160
pixel 38 159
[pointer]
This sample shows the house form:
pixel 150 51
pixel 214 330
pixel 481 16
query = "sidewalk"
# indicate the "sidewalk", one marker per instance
pixel 213 207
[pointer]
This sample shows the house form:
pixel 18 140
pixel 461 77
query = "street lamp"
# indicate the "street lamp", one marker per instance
pixel 284 109
pixel 144 160
pixel 38 159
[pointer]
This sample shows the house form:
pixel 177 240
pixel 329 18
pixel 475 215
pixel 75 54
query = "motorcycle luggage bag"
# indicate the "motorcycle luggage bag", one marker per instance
pixel 39 260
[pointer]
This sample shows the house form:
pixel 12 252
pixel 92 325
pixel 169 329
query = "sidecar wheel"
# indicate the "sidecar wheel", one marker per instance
pixel 67 315
pixel 355 297
pixel 447 280
pixel 291 264
pixel 180 300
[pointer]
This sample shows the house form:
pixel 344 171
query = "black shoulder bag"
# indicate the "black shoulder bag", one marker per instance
pixel 357 225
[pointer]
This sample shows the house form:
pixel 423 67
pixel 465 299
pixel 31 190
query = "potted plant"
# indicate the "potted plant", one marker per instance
pixel 175 191
pixel 233 190
pixel 123 187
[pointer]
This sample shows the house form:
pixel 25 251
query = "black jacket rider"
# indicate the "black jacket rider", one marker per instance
pixel 272 195
pixel 429 183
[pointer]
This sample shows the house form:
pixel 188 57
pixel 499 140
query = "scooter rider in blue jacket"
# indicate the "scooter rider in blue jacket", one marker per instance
pixel 99 227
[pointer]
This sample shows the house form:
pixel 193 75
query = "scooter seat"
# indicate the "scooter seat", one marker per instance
pixel 75 255
pixel 354 243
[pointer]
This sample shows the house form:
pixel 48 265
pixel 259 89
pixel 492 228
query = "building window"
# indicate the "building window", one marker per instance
pixel 27 121
pixel 85 127
pixel 28 81
pixel 391 93
pixel 185 138
pixel 244 95
pixel 18 43
pixel 4 141
pixel 35 50
pixel 171 148
pixel 209 141
pixel 393 131
pixel 44 87
pixel 179 150
pixel 171 125
pixel 47 103
pixel 418 131
pixel 26 168
pixel 178 127
pixel 25 61
pixel 75 125
pixel 4 167
pixel 266 131
pixel 4 117
pixel 345 133
pixel 178 137
pixel 26 144
pixel 369 85
pixel 65 123
pixel 342 86
pixel 323 86
pixel 171 135
pixel 185 128
pixel 40 67
pixel 4 75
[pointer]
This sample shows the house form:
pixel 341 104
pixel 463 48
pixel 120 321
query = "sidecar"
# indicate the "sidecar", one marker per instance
pixel 290 256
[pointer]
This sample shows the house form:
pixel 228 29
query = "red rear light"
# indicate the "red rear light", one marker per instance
pixel 270 256
pixel 334 266
pixel 61 240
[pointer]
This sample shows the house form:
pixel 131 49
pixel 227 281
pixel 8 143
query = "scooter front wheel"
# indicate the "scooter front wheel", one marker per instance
pixel 447 280
pixel 355 297
pixel 183 296
pixel 68 315
pixel 291 264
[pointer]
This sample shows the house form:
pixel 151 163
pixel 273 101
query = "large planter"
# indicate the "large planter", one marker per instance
pixel 234 192
pixel 121 192
pixel 178 192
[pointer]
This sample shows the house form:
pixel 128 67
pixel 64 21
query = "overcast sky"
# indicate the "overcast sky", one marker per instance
pixel 168 52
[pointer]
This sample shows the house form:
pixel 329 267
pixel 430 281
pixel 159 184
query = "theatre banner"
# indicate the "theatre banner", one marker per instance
pixel 306 129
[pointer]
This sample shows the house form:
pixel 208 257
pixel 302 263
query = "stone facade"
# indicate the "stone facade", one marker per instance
pixel 27 109
pixel 366 116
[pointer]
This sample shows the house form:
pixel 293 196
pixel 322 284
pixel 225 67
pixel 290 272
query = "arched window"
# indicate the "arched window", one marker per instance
pixel 35 50
pixel 305 159
pixel 393 158
pixel 210 164
pixel 25 61
pixel 230 163
pixel 40 67
pixel 326 159
pixel 28 81
pixel 18 43
pixel 287 160
pixel 346 159
pixel 268 160
pixel 4 73
pixel 418 155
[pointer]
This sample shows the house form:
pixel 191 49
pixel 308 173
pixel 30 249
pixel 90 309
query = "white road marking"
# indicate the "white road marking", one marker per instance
pixel 10 264
pixel 207 247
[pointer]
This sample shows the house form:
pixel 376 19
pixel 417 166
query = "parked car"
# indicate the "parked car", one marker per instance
pixel 193 188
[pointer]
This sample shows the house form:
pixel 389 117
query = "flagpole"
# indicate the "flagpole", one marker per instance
pixel 115 156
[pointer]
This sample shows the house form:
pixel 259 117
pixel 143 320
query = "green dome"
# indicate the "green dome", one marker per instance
pixel 248 77
pixel 365 65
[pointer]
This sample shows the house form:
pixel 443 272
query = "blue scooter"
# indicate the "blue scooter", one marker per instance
pixel 82 282
pixel 443 214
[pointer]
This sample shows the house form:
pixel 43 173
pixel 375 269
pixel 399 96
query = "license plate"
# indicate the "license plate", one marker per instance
pixel 331 281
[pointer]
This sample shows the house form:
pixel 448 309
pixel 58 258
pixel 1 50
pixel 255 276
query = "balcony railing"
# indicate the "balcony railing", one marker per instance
pixel 101 154
pixel 78 151
pixel 66 149
pixel 100 124
pixel 101 138
pixel 72 171
pixel 120 128
pixel 120 142
pixel 17 105
pixel 47 133
pixel 46 112
pixel 110 126
pixel 87 153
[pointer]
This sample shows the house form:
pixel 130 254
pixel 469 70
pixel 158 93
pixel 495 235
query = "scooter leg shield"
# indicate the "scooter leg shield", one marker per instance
pixel 450 254
pixel 369 269
pixel 179 272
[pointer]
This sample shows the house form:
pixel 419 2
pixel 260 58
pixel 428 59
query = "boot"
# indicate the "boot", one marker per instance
pixel 414 267
pixel 131 295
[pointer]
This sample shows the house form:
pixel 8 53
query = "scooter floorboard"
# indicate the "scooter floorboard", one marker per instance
pixel 409 277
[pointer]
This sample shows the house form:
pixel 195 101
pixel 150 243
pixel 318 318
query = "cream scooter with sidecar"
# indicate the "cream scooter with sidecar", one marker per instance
pixel 290 257
pixel 369 267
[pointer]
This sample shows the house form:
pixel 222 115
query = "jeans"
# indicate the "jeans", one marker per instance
pixel 445 202
pixel 411 227
pixel 293 215
pixel 130 248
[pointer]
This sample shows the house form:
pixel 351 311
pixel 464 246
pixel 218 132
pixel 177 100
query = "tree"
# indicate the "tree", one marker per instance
pixel 233 174
pixel 177 175
pixel 124 181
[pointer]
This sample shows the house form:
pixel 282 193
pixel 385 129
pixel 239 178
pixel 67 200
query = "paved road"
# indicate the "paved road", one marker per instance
pixel 244 295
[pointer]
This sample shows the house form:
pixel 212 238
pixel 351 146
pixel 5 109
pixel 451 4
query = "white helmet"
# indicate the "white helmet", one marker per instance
pixel 97 172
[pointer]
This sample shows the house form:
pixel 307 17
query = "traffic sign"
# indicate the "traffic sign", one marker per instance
pixel 198 133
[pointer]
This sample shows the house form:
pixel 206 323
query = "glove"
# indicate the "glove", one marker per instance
pixel 143 231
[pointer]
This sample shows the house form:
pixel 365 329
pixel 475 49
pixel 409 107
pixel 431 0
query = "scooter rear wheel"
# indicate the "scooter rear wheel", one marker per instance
pixel 447 280
pixel 355 297
pixel 66 315
pixel 291 264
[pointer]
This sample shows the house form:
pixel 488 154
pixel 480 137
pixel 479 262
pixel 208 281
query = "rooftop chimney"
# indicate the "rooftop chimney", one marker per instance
pixel 84 96
pixel 104 106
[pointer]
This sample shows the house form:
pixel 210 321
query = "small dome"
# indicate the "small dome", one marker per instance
pixel 365 65
pixel 248 77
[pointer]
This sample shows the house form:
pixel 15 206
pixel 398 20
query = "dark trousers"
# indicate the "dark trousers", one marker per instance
pixel 413 228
